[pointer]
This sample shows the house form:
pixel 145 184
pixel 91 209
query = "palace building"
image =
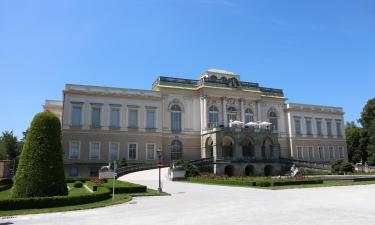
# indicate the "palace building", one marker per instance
pixel 247 129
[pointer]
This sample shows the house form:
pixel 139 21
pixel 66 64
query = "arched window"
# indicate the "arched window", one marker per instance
pixel 273 119
pixel 176 118
pixel 231 114
pixel 213 116
pixel 249 115
pixel 176 150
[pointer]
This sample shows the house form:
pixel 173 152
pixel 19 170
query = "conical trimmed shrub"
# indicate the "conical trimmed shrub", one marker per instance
pixel 40 171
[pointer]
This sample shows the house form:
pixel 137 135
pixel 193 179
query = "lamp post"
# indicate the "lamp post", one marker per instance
pixel 159 151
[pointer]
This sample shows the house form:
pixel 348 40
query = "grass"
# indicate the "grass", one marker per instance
pixel 119 198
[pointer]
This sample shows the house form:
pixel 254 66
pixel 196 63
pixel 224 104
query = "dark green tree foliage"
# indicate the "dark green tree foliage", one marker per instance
pixel 122 163
pixel 368 135
pixel 353 141
pixel 191 169
pixel 40 170
pixel 341 166
pixel 9 145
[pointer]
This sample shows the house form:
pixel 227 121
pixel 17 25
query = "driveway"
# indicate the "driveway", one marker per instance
pixel 209 204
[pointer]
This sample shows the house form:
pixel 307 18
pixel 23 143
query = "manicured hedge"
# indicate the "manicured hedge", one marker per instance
pixel 125 187
pixel 54 201
pixel 223 181
pixel 296 182
pixel 263 184
pixel 5 187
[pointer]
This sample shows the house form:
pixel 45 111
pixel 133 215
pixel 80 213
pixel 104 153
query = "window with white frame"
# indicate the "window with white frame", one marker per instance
pixel 74 149
pixel 115 117
pixel 319 128
pixel 176 118
pixel 95 116
pixel 94 151
pixel 113 151
pixel 273 120
pixel 338 129
pixel 311 152
pixel 150 119
pixel 249 115
pixel 331 152
pixel 213 116
pixel 299 152
pixel 76 119
pixel 308 127
pixel 133 118
pixel 329 128
pixel 150 151
pixel 73 172
pixel 321 152
pixel 132 151
pixel 341 152
pixel 297 126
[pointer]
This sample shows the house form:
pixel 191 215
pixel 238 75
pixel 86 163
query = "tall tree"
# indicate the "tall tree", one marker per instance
pixel 40 170
pixel 9 144
pixel 353 141
pixel 368 134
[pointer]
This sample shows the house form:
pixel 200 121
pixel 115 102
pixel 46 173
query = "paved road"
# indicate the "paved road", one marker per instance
pixel 208 204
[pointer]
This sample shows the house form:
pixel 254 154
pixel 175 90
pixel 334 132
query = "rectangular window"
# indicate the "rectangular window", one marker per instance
pixel 115 117
pixel 95 117
pixel 274 125
pixel 73 172
pixel 94 150
pixel 319 127
pixel 150 119
pixel 249 118
pixel 341 152
pixel 94 171
pixel 176 121
pixel 311 153
pixel 132 151
pixel 331 153
pixel 329 128
pixel 321 152
pixel 150 154
pixel 113 151
pixel 133 118
pixel 297 125
pixel 231 116
pixel 76 115
pixel 338 129
pixel 299 152
pixel 74 150
pixel 308 127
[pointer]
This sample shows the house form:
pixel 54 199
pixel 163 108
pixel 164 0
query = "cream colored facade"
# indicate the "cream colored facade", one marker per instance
pixel 89 112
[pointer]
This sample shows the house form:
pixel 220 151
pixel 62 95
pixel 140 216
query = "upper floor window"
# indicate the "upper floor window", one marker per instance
pixel 133 151
pixel 94 151
pixel 74 149
pixel 297 126
pixel 133 118
pixel 231 114
pixel 338 129
pixel 308 127
pixel 249 115
pixel 176 118
pixel 76 115
pixel 273 120
pixel 150 119
pixel 329 128
pixel 115 117
pixel 95 116
pixel 113 151
pixel 213 115
pixel 319 128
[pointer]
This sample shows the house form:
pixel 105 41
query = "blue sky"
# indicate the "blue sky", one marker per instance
pixel 319 52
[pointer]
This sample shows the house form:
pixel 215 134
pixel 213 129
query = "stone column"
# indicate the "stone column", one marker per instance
pixel 224 105
pixel 205 111
pixel 242 109
pixel 259 113
pixel 201 111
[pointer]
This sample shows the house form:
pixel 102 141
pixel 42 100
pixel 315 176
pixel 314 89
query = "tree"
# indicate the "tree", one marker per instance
pixel 368 134
pixel 353 141
pixel 9 145
pixel 40 170
pixel 123 163
pixel 341 166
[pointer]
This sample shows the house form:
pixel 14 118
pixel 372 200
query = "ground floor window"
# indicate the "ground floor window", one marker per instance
pixel 341 152
pixel 132 151
pixel 94 171
pixel 299 152
pixel 150 148
pixel 73 172
pixel 321 152
pixel 176 150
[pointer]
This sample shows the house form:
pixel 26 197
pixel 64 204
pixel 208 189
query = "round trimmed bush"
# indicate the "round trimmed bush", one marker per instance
pixel 78 184
pixel 40 171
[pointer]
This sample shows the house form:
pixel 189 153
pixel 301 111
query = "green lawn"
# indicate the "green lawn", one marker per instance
pixel 119 198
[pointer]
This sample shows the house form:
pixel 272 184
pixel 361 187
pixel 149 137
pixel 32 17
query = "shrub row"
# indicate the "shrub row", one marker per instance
pixel 125 187
pixel 46 202
pixel 5 187
pixel 297 182
pixel 74 179
pixel 223 181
